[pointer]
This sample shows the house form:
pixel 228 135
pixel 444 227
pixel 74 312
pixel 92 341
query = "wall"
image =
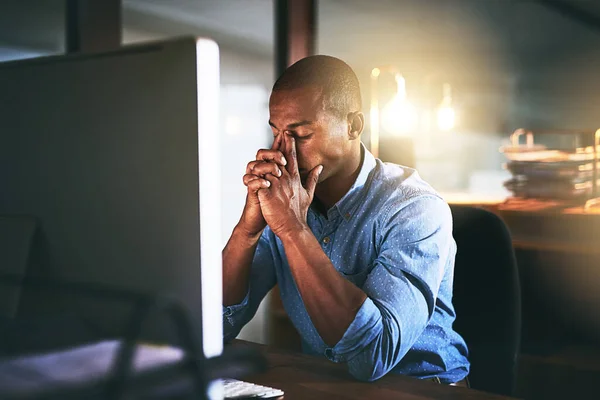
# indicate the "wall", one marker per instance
pixel 511 64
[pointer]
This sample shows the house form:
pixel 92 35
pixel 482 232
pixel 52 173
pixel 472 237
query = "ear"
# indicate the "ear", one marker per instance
pixel 356 124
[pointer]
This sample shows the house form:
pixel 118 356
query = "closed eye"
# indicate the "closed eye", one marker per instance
pixel 302 136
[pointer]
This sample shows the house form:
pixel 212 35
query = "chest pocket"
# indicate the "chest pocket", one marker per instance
pixel 356 261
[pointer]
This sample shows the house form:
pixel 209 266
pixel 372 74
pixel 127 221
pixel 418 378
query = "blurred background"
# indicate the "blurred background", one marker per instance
pixel 445 83
pixel 509 64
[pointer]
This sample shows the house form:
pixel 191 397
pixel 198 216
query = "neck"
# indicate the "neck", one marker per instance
pixel 336 186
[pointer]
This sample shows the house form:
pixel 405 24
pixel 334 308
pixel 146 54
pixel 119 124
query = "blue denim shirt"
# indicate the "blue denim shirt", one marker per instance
pixel 390 235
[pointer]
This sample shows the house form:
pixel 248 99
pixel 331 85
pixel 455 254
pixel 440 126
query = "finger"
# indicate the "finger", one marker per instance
pixel 276 142
pixel 282 146
pixel 257 184
pixel 275 156
pixel 249 178
pixel 312 179
pixel 251 165
pixel 272 180
pixel 290 154
pixel 263 168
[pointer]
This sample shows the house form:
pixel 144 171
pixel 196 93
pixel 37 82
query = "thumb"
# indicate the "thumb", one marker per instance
pixel 312 179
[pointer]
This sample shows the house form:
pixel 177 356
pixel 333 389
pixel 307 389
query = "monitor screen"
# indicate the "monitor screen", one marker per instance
pixel 115 155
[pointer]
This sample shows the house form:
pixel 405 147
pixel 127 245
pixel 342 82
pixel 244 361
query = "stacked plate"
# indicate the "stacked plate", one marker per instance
pixel 543 173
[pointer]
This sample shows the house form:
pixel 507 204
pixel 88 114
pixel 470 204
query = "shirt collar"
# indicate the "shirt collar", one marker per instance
pixel 350 201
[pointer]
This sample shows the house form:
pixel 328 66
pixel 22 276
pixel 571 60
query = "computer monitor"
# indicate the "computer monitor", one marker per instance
pixel 116 155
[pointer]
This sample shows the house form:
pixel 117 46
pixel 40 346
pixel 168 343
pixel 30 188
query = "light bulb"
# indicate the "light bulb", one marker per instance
pixel 446 118
pixel 399 115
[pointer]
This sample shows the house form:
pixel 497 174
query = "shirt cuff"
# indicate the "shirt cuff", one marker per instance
pixel 230 312
pixel 365 327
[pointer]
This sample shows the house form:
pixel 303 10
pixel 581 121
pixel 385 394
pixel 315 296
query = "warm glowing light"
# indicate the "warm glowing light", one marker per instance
pixel 399 115
pixel 446 116
pixel 375 118
pixel 375 72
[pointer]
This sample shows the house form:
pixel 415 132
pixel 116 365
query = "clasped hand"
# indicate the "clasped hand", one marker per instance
pixel 276 195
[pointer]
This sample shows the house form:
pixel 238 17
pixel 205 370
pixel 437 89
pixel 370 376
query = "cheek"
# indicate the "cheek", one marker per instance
pixel 327 153
pixel 307 152
pixel 335 148
pixel 337 141
pixel 326 148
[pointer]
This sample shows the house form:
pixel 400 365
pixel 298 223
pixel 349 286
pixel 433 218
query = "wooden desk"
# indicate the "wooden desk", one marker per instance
pixel 305 377
pixel 541 227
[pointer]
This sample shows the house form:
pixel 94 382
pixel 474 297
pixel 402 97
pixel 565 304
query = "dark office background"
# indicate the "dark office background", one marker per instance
pixel 511 64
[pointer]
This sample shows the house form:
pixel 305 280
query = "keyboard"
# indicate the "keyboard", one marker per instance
pixel 234 389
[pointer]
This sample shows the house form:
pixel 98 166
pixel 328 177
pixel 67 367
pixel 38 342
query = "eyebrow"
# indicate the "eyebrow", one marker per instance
pixel 294 125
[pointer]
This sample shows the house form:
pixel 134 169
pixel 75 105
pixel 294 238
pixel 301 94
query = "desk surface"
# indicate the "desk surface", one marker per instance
pixel 305 377
pixel 546 226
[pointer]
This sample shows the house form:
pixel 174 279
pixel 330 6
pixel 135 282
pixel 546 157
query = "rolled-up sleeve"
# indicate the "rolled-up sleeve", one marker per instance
pixel 415 241
pixel 262 279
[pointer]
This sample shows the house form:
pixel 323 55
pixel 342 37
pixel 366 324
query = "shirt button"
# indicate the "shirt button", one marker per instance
pixel 329 353
pixel 347 215
pixel 326 239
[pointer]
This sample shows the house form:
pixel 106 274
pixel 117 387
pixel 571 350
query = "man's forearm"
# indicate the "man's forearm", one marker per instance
pixel 237 260
pixel 331 301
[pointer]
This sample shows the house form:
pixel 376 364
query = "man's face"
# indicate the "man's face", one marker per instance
pixel 321 137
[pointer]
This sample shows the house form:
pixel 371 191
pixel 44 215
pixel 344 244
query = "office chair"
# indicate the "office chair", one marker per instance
pixel 487 298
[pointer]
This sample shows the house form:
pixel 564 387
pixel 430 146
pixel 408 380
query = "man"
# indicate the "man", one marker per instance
pixel 362 251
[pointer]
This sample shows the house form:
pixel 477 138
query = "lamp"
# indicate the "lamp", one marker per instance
pixel 398 116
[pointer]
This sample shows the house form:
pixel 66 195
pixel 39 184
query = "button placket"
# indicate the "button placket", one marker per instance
pixel 326 240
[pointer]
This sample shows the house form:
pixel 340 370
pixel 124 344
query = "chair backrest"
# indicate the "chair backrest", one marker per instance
pixel 16 235
pixel 487 298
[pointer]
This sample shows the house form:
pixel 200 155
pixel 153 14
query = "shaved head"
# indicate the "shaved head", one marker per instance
pixel 336 80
